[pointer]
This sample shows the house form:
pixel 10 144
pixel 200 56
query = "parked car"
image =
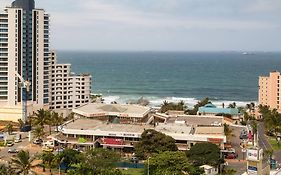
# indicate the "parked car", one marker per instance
pixel 17 140
pixel 231 156
pixel 38 141
pixel 13 150
pixel 47 149
pixel 9 144
pixel 59 150
pixel 243 135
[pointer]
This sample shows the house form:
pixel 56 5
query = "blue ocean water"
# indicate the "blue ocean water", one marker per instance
pixel 174 76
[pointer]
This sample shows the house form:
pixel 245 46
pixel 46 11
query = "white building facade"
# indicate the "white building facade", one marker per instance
pixel 24 49
pixel 68 90
pixel 25 56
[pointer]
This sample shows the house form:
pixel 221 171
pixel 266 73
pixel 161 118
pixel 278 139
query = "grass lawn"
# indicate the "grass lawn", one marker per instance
pixel 133 171
pixel 273 143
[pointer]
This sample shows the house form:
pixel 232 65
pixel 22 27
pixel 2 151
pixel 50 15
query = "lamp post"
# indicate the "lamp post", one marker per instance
pixel 148 165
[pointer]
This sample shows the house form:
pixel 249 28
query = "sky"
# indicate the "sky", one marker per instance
pixel 163 25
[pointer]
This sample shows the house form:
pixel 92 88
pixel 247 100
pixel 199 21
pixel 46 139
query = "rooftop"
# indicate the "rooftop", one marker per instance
pixel 93 109
pixel 197 120
pixel 212 109
pixel 91 124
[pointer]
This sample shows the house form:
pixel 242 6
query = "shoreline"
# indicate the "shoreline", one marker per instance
pixel 157 101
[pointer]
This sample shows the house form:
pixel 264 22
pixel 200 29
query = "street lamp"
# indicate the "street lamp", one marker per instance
pixel 148 165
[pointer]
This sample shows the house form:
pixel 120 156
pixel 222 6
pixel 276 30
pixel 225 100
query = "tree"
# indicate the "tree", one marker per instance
pixel 232 105
pixel 38 132
pixel 154 142
pixel 95 162
pixel 22 163
pixel 172 106
pixel 171 162
pixel 57 119
pixel 201 103
pixel 68 157
pixel 272 121
pixel 205 153
pixel 228 132
pixel 6 170
pixel 41 117
pixel 228 172
pixel 48 161
pixel 9 128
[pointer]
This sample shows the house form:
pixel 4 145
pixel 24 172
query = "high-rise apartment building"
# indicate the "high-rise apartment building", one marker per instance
pixel 270 91
pixel 68 90
pixel 24 46
pixel 25 56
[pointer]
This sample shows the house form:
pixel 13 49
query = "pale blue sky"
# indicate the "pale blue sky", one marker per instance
pixel 170 25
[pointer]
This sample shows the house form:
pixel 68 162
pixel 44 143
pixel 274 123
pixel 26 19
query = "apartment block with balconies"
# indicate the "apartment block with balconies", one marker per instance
pixel 269 90
pixel 67 90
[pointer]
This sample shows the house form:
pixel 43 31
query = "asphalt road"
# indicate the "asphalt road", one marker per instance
pixel 23 145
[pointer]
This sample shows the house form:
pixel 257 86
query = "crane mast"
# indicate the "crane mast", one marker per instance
pixel 25 86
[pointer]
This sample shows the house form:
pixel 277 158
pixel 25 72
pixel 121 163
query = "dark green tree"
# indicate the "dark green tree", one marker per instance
pixel 48 161
pixel 171 162
pixel 6 170
pixel 201 103
pixel 154 142
pixel 22 163
pixel 205 153
pixel 96 162
pixel 166 106
pixel 228 132
pixel 68 157
pixel 40 118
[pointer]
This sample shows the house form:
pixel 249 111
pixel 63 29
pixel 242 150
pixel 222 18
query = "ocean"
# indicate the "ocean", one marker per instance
pixel 224 77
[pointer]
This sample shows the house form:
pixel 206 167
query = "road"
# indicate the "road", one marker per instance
pixel 23 145
pixel 263 142
pixel 239 164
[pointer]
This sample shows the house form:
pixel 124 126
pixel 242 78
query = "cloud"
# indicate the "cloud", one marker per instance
pixel 264 6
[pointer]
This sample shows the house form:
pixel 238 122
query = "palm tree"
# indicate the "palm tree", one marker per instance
pixel 57 120
pixel 22 163
pixel 38 132
pixel 228 132
pixel 6 170
pixel 9 128
pixel 41 117
pixel 228 172
pixel 48 161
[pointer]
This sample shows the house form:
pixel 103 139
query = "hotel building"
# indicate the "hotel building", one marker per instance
pixel 24 49
pixel 269 90
pixel 25 56
pixel 68 90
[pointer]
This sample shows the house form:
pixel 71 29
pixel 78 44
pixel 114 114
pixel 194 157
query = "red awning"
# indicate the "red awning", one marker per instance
pixel 112 141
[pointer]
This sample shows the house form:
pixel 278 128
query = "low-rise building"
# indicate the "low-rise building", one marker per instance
pixel 210 109
pixel 186 130
pixel 118 113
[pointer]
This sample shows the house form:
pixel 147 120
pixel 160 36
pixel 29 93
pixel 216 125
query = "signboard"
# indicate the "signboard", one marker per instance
pixel 253 154
pixel 252 170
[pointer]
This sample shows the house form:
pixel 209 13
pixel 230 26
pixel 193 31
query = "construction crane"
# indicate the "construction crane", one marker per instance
pixel 25 86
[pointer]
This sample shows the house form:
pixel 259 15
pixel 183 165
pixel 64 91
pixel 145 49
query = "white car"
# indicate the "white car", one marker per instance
pixel 9 144
pixel 17 140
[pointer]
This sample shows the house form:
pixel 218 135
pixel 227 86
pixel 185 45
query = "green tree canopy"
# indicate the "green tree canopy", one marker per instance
pixel 154 142
pixel 203 102
pixel 171 162
pixel 22 163
pixel 95 162
pixel 204 153
pixel 166 106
